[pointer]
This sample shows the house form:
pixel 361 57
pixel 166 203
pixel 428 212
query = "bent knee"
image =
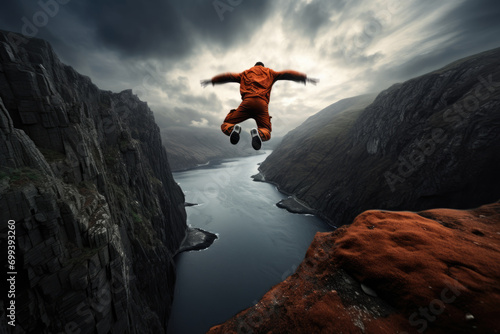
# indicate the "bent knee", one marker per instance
pixel 265 135
pixel 226 128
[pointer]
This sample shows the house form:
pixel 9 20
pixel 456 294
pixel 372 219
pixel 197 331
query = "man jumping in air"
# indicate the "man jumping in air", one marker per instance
pixel 255 89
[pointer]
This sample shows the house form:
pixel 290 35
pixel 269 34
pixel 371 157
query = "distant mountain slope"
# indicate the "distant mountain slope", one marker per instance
pixel 432 141
pixel 191 147
pixel 303 149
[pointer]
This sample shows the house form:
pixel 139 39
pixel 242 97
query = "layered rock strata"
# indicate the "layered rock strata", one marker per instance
pixel 98 215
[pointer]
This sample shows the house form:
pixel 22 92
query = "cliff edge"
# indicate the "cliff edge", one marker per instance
pixel 85 181
pixel 434 271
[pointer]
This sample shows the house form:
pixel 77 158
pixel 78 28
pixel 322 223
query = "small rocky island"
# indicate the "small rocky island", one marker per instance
pixel 196 239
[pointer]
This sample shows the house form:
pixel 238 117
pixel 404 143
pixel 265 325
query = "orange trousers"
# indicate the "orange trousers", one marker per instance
pixel 255 108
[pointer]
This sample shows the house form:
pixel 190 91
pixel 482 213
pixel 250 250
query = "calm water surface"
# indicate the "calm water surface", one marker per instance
pixel 259 245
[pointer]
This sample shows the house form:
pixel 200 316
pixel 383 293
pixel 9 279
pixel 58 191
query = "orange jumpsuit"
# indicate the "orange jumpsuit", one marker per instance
pixel 255 89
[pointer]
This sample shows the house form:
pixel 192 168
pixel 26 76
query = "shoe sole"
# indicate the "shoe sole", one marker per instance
pixel 256 141
pixel 234 138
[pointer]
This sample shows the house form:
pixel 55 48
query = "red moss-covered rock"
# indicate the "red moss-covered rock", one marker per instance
pixel 436 271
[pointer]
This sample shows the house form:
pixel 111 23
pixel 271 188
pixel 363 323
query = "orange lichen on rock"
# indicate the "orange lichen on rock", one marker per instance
pixel 442 259
pixel 436 271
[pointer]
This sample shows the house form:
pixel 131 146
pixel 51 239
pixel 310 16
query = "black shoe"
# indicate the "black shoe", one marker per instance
pixel 235 135
pixel 256 141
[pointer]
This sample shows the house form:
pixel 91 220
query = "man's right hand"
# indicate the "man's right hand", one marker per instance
pixel 205 83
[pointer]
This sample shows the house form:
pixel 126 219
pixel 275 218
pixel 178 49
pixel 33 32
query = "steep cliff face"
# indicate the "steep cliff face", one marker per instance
pixel 432 141
pixel 97 213
pixel 434 271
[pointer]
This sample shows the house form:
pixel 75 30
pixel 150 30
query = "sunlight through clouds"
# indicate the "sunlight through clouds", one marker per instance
pixel 161 51
pixel 348 52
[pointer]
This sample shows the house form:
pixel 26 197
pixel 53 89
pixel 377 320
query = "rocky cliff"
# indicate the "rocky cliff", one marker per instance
pixel 98 216
pixel 435 271
pixel 432 141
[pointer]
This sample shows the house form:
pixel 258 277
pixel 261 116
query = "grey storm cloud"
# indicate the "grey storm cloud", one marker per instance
pixel 308 18
pixel 173 29
pixel 154 28
pixel 176 28
pixel 162 28
pixel 474 26
pixel 161 48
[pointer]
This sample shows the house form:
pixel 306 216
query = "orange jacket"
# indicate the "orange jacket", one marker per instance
pixel 258 80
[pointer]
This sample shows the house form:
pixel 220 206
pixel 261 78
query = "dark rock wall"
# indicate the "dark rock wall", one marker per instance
pixel 432 141
pixel 98 215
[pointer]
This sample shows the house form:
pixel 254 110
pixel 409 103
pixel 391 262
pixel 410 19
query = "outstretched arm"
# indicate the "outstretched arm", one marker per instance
pixel 290 75
pixel 205 83
pixel 222 78
pixel 312 80
pixel 295 76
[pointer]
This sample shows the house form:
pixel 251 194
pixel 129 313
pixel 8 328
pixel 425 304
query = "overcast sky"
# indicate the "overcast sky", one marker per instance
pixel 163 48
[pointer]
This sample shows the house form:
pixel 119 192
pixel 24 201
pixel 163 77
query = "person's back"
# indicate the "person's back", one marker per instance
pixel 257 81
pixel 255 89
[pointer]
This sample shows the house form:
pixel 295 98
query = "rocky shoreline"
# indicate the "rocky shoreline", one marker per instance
pixel 292 204
pixel 196 239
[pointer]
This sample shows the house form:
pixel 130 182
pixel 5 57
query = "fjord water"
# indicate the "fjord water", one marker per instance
pixel 258 244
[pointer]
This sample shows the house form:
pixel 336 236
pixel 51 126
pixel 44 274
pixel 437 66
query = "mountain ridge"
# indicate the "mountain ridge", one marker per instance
pixel 192 147
pixel 407 150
